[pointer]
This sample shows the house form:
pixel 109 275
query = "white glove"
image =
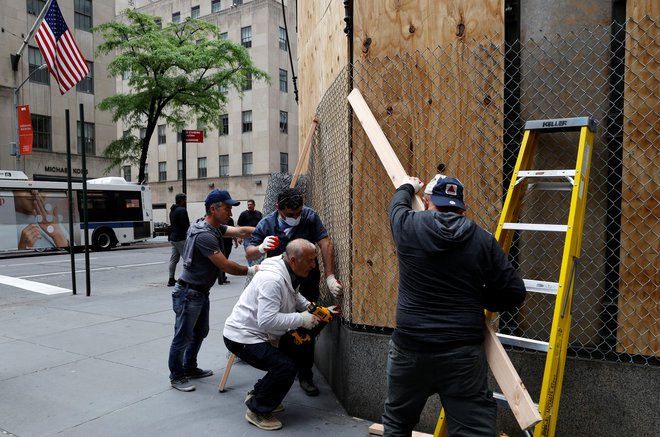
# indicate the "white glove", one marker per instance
pixel 252 270
pixel 269 243
pixel 309 320
pixel 334 285
pixel 414 181
pixel 335 310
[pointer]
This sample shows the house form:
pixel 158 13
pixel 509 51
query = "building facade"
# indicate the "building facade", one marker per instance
pixel 259 134
pixel 47 106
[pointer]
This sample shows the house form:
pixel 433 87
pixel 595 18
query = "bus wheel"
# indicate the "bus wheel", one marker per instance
pixel 103 240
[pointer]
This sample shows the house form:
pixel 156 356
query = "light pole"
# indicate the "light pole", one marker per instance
pixel 17 148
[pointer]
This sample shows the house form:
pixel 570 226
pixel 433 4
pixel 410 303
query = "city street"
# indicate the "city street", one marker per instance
pixel 79 366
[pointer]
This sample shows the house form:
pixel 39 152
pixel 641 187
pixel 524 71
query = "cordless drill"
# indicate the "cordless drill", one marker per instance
pixel 302 335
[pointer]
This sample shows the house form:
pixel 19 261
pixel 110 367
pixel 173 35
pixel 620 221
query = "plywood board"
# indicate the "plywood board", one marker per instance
pixel 639 293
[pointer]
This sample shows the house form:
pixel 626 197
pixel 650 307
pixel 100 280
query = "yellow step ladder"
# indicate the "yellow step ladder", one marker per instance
pixel 576 181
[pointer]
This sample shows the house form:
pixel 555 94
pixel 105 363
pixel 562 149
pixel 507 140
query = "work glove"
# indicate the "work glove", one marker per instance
pixel 271 242
pixel 252 270
pixel 309 320
pixel 334 285
pixel 335 310
pixel 414 181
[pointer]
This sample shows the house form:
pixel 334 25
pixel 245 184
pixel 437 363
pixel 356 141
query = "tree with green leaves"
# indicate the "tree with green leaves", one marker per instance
pixel 177 73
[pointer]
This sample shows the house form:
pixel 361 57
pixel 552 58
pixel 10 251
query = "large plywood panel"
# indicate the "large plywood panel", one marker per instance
pixel 322 53
pixel 639 332
pixel 432 73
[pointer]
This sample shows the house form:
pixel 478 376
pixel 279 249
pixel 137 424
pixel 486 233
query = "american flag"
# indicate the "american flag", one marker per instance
pixel 64 59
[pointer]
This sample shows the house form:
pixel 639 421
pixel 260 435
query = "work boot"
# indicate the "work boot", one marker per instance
pixel 264 421
pixel 182 384
pixel 171 282
pixel 308 387
pixel 198 373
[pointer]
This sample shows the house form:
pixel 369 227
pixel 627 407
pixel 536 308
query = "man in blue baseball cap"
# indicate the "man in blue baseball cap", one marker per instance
pixel 450 270
pixel 203 258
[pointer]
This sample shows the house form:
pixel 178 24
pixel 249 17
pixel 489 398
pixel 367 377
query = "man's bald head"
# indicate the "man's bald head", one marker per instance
pixel 301 256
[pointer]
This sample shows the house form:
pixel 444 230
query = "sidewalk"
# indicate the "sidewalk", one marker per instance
pixel 97 366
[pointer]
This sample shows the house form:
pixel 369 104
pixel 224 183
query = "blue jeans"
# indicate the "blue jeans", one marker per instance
pixel 281 372
pixel 458 375
pixel 190 328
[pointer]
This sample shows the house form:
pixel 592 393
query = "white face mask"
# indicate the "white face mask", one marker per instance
pixel 292 221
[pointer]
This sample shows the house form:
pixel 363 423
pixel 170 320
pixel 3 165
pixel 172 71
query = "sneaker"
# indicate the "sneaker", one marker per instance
pixel 182 384
pixel 265 421
pixel 171 282
pixel 277 409
pixel 198 373
pixel 309 388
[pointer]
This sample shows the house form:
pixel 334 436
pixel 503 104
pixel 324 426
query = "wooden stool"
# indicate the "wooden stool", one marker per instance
pixel 223 380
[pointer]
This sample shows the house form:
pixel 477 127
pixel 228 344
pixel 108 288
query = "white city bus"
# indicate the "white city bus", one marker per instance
pixel 34 215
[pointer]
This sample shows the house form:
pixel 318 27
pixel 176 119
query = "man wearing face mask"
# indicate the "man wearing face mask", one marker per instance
pixel 290 221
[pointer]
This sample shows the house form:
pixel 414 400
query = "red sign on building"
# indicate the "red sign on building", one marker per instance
pixel 194 136
pixel 25 134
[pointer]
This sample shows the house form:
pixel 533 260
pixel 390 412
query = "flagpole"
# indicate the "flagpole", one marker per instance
pixel 15 58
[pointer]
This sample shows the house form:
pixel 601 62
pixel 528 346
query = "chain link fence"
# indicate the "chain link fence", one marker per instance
pixel 465 105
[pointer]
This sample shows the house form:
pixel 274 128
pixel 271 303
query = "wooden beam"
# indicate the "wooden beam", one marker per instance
pixel 377 429
pixel 522 406
pixel 392 165
pixel 304 153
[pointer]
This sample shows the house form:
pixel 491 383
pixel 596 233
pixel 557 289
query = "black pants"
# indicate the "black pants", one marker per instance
pixel 270 390
pixel 309 288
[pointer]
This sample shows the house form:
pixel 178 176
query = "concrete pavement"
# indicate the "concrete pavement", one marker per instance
pixel 81 366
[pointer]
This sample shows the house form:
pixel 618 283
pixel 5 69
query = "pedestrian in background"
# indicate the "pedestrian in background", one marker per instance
pixel 249 217
pixel 203 258
pixel 179 224
pixel 450 270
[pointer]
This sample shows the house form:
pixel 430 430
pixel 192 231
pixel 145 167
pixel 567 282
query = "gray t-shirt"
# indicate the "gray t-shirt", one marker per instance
pixel 203 241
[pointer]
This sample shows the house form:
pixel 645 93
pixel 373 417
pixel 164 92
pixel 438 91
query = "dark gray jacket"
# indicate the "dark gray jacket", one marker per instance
pixel 179 223
pixel 450 269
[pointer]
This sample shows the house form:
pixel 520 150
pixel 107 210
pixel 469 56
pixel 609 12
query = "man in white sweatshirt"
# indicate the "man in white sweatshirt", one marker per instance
pixel 269 307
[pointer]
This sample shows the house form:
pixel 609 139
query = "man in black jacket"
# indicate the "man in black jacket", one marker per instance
pixel 179 224
pixel 450 269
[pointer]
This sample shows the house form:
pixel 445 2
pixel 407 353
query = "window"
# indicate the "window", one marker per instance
pixel 179 135
pixel 223 35
pixel 125 75
pixel 36 60
pixel 90 139
pixel 223 89
pixel 162 171
pixel 247 163
pixel 159 22
pixel 284 162
pixel 224 125
pixel 237 2
pixel 41 132
pixel 246 118
pixel 179 169
pixel 146 173
pixel 143 132
pixel 162 136
pixel 201 125
pixel 83 14
pixel 201 167
pixel 86 85
pixel 194 12
pixel 126 134
pixel 284 85
pixel 246 36
pixel 127 172
pixel 35 6
pixel 176 17
pixel 284 122
pixel 283 39
pixel 215 5
pixel 224 165
pixel 247 85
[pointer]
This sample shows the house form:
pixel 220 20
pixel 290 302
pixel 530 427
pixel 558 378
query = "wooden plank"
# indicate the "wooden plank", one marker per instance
pixel 377 429
pixel 394 169
pixel 304 153
pixel 638 331
pixel 223 381
pixel 505 374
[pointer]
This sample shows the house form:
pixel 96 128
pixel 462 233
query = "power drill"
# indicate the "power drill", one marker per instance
pixel 302 335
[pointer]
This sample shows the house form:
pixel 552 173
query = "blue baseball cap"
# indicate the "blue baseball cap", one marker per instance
pixel 217 196
pixel 448 192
